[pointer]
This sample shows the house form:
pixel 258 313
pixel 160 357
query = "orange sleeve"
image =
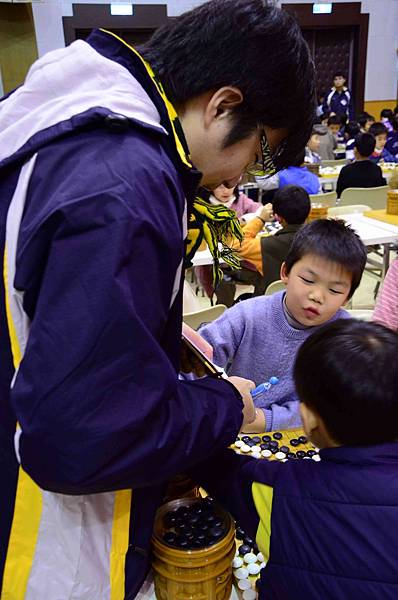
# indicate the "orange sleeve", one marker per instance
pixel 250 248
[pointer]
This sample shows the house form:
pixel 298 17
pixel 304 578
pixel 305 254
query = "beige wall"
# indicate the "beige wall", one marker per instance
pixel 376 106
pixel 18 48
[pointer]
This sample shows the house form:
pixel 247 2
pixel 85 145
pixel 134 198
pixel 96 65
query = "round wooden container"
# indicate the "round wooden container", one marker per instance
pixel 203 574
pixel 392 202
pixel 318 211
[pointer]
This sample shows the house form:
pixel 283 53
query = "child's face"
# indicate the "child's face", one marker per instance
pixel 368 125
pixel 381 140
pixel 314 143
pixel 339 81
pixel 334 129
pixel 222 193
pixel 315 289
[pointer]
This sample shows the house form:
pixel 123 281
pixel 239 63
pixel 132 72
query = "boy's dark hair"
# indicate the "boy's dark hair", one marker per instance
pixel 351 129
pixel 333 240
pixel 365 144
pixel 339 74
pixel 292 203
pixel 325 115
pixel 386 113
pixel 394 122
pixel 334 120
pixel 347 371
pixel 363 118
pixel 246 44
pixel 377 129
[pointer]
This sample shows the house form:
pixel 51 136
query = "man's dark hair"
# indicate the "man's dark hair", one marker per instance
pixel 377 129
pixel 333 240
pixel 365 144
pixel 292 203
pixel 347 371
pixel 247 44
pixel 351 129
pixel 334 120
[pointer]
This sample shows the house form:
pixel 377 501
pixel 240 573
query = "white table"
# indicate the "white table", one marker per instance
pixel 373 232
pixel 370 231
pixel 332 179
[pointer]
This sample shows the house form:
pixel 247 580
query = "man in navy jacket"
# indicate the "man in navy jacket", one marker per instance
pixel 339 100
pixel 101 151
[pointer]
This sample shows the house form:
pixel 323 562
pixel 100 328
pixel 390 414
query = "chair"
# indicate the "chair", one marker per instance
pixel 335 211
pixel 337 162
pixel 205 315
pixel 327 199
pixel 275 286
pixel 359 313
pixel 375 197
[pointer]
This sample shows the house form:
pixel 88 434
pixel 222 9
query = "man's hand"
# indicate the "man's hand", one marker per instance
pixel 244 386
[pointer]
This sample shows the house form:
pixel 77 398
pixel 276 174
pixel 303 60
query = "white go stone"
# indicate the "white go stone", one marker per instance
pixel 239 443
pixel 249 594
pixel 253 568
pixel 250 558
pixel 280 455
pixel 237 562
pixel 244 584
pixel 256 449
pixel 241 573
pixel 316 457
pixel 266 453
pixel 260 557
pixel 245 448
pixel 256 455
pixel 262 565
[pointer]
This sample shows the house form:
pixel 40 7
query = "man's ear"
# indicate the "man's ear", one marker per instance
pixel 222 103
pixel 284 274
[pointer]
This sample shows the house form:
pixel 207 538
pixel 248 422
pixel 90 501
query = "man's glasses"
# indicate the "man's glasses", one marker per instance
pixel 266 166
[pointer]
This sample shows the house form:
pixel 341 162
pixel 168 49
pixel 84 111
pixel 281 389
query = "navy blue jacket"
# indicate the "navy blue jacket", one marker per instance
pixel 98 274
pixel 329 528
pixel 340 103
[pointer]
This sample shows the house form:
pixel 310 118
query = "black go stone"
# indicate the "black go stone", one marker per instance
pixel 302 439
pixel 244 549
pixel 273 444
pixel 169 537
pixel 291 455
pixel 284 449
pixel 239 533
pixel 248 541
pixel 265 446
pixel 274 449
pixel 169 519
pixel 294 442
pixel 311 452
pixel 277 435
pixel 266 438
pixel 300 453
pixel 256 439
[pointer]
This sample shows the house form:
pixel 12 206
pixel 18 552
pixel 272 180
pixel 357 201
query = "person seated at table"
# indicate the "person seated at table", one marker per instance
pixel 327 141
pixel 351 131
pixel 242 205
pixel 365 120
pixel 386 308
pixel 326 529
pixel 380 152
pixel 362 172
pixel 259 338
pixel 392 142
pixel 334 125
pixel 294 175
pixel 290 206
pixel 386 116
pixel 312 148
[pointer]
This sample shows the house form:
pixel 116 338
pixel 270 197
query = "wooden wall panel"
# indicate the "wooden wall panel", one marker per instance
pixel 18 49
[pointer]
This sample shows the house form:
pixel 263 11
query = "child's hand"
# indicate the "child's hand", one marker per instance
pixel 266 213
pixel 244 386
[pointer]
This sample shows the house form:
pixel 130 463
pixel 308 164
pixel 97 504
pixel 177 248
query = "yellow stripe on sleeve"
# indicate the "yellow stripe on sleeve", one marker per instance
pixel 262 496
pixel 120 542
pixel 15 347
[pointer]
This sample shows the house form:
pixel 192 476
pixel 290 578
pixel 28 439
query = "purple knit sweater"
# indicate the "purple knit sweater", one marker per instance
pixel 254 340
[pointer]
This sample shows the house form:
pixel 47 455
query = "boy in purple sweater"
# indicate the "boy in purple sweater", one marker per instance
pixel 259 338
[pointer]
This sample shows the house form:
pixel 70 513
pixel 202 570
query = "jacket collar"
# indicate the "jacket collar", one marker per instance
pixel 288 229
pixel 380 453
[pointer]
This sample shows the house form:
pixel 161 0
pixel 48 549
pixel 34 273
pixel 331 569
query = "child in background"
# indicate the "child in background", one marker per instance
pixel 312 148
pixel 294 175
pixel 351 130
pixel 362 172
pixel 327 141
pixel 386 309
pixel 380 153
pixel 334 124
pixel 386 117
pixel 259 338
pixel 291 206
pixel 392 141
pixel 365 120
pixel 327 529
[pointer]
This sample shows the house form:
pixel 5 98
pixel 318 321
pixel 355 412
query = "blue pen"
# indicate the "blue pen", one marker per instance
pixel 264 387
